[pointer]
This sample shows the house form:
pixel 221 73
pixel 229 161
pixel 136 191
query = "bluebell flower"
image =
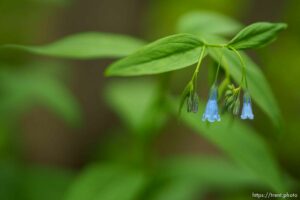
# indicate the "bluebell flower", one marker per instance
pixel 211 113
pixel 247 108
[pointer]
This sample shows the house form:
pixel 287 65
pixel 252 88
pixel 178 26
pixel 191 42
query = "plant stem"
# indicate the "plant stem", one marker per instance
pixel 194 78
pixel 244 77
pixel 200 59
pixel 216 45
pixel 217 73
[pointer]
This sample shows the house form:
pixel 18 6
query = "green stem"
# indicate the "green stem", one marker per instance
pixel 225 64
pixel 244 77
pixel 200 60
pixel 216 45
pixel 218 69
pixel 195 75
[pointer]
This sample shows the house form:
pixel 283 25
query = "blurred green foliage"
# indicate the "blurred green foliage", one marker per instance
pixel 134 169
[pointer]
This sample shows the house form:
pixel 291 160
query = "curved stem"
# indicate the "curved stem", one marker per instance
pixel 200 59
pixel 218 69
pixel 194 78
pixel 244 77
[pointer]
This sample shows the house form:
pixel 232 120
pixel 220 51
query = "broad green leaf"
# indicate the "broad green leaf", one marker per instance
pixel 206 23
pixel 258 86
pixel 241 143
pixel 208 172
pixel 26 87
pixel 257 35
pixel 45 183
pixel 166 54
pixel 185 178
pixel 10 181
pixel 107 182
pixel 32 182
pixel 85 46
pixel 136 104
pixel 176 190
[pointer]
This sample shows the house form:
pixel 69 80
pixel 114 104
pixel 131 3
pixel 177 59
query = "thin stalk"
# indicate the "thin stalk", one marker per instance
pixel 194 78
pixel 216 45
pixel 244 77
pixel 218 69
pixel 200 60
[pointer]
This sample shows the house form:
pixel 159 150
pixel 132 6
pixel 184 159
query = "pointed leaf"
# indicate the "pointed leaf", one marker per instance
pixel 107 182
pixel 23 88
pixel 136 104
pixel 166 54
pixel 257 35
pixel 85 46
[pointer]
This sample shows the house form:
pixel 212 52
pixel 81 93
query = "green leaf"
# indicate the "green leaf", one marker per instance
pixel 32 182
pixel 136 104
pixel 176 190
pixel 257 35
pixel 258 85
pixel 166 54
pixel 208 172
pixel 85 46
pixel 107 182
pixel 205 23
pixel 184 178
pixel 10 173
pixel 38 181
pixel 242 144
pixel 29 86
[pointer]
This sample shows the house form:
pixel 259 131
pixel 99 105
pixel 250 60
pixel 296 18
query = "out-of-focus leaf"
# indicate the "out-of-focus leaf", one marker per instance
pixel 177 190
pixel 186 178
pixel 258 86
pixel 45 183
pixel 257 35
pixel 166 54
pixel 206 22
pixel 208 172
pixel 85 46
pixel 241 143
pixel 53 2
pixel 26 87
pixel 137 104
pixel 10 181
pixel 32 182
pixel 107 182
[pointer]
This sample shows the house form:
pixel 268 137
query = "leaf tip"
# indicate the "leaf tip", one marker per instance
pixel 108 72
pixel 283 25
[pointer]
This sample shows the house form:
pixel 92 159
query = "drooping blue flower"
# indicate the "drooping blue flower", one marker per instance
pixel 247 108
pixel 211 113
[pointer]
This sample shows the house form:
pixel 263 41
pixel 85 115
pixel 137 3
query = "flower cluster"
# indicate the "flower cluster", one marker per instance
pixel 232 95
pixel 232 102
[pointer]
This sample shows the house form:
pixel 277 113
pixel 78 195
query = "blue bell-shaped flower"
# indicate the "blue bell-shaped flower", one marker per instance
pixel 211 113
pixel 247 108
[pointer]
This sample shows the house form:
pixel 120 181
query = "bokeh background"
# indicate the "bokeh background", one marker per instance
pixel 39 141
